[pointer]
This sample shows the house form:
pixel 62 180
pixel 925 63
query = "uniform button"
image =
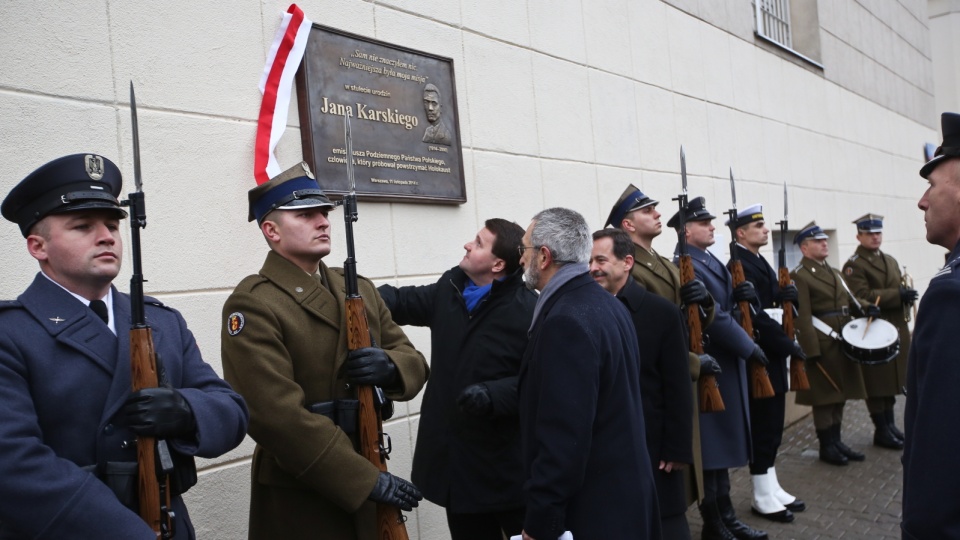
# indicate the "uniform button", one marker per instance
pixel 108 430
pixel 299 289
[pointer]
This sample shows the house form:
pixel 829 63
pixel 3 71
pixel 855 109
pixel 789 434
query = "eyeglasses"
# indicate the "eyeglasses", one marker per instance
pixel 521 248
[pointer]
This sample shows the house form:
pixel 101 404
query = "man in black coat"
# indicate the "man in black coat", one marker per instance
pixel 767 414
pixel 581 420
pixel 931 472
pixel 467 457
pixel 664 375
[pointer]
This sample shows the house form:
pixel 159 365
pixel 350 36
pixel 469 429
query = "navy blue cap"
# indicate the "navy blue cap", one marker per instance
pixel 810 231
pixel 631 199
pixel 870 223
pixel 950 126
pixel 67 184
pixel 696 211
pixel 748 215
pixel 294 188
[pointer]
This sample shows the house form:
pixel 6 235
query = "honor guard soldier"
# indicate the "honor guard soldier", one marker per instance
pixel 70 421
pixel 824 307
pixel 875 276
pixel 284 348
pixel 724 436
pixel 636 214
pixel 767 414
pixel 931 471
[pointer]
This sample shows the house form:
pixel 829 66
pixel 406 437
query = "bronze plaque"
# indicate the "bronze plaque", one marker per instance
pixel 403 109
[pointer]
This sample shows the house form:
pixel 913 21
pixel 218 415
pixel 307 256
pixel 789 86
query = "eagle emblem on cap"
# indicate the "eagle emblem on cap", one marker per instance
pixel 94 166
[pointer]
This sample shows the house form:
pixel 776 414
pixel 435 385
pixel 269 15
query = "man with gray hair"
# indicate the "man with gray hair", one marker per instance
pixel 581 419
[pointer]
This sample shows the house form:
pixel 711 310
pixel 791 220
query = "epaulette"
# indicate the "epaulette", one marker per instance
pixel 798 267
pixel 854 257
pixel 10 304
pixel 148 300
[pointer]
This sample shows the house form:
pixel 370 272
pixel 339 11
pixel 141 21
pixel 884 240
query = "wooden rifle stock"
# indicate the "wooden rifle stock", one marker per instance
pixel 707 387
pixel 760 386
pixel 798 370
pixel 390 520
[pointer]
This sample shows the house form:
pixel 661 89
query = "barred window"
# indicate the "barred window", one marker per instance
pixel 773 21
pixel 790 25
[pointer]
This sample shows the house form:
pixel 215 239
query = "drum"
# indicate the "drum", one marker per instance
pixel 878 344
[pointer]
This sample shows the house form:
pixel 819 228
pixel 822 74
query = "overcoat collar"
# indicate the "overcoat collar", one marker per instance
pixel 576 282
pixel 875 258
pixel 305 289
pixel 655 263
pixel 821 272
pixel 632 295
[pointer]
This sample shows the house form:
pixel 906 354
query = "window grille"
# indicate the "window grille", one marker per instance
pixel 773 21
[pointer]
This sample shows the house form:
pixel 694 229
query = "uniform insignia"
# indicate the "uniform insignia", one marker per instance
pixel 946 270
pixel 57 320
pixel 235 323
pixel 854 257
pixel 848 270
pixel 94 166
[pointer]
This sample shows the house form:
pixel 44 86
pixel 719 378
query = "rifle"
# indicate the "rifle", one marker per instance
pixel 707 388
pixel 798 372
pixel 390 520
pixel 153 478
pixel 760 386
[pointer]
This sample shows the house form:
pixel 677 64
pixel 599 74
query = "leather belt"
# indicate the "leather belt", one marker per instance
pixel 845 311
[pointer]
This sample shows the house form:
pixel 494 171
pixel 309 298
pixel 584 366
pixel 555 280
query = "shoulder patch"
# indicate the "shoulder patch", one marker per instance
pixel 10 304
pixel 848 270
pixel 235 323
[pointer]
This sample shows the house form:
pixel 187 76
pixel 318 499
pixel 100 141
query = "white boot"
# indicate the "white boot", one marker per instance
pixel 786 499
pixel 765 503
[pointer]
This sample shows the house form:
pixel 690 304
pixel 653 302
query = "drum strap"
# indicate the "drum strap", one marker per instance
pixel 825 329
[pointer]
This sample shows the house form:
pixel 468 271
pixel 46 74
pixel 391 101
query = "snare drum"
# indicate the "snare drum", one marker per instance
pixel 879 345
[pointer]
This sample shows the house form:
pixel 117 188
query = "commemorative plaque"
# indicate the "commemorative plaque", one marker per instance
pixel 404 119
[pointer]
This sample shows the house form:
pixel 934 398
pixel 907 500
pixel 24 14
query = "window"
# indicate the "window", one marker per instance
pixel 792 26
pixel 773 21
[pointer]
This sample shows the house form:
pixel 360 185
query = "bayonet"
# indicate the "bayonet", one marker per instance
pixel 137 179
pixel 733 190
pixel 348 137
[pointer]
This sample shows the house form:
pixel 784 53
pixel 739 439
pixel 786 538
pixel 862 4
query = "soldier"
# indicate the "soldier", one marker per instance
pixel 824 308
pixel 637 215
pixel 724 436
pixel 285 351
pixel 873 274
pixel 69 468
pixel 931 472
pixel 767 415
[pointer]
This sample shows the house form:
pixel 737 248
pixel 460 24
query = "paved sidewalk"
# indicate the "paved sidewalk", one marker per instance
pixel 861 500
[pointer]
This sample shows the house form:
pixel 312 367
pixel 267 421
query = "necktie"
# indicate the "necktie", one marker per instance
pixel 100 308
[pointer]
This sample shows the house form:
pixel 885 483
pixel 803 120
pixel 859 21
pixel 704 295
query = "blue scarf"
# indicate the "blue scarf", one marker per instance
pixel 473 294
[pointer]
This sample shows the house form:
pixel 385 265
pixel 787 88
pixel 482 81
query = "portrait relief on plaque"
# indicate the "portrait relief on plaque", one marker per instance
pixel 404 118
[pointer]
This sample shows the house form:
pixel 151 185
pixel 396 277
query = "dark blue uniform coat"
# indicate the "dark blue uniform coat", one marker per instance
pixel 581 421
pixel 724 436
pixel 931 469
pixel 63 376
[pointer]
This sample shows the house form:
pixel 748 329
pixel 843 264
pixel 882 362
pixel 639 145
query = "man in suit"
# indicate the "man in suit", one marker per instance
pixel 767 414
pixel 467 458
pixel 931 473
pixel 724 436
pixel 581 420
pixel 284 348
pixel 69 468
pixel 824 307
pixel 873 274
pixel 664 375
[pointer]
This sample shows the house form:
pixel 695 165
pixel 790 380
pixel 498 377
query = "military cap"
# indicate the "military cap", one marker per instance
pixel 809 231
pixel 294 188
pixel 696 211
pixel 748 215
pixel 869 223
pixel 67 184
pixel 950 126
pixel 631 199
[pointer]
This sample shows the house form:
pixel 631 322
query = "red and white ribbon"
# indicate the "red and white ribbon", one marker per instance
pixel 286 52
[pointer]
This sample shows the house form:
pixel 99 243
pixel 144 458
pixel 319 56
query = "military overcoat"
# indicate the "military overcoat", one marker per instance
pixel 283 344
pixel 871 274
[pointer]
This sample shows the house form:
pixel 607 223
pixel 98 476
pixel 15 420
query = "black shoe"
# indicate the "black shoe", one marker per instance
pixel 893 426
pixel 882 435
pixel 851 454
pixel 713 527
pixel 783 516
pixel 796 506
pixel 739 529
pixel 829 453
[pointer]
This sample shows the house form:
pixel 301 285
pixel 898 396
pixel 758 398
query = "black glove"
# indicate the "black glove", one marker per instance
pixel 871 311
pixel 797 352
pixel 475 399
pixel 158 412
pixel 395 491
pixel 788 294
pixel 370 365
pixel 693 292
pixel 908 296
pixel 745 292
pixel 709 365
pixel 758 356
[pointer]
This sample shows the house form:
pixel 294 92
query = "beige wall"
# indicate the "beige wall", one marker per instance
pixel 562 102
pixel 945 39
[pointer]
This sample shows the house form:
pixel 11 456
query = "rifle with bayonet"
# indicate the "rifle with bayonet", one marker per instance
pixel 708 389
pixel 390 520
pixel 798 372
pixel 154 462
pixel 760 386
